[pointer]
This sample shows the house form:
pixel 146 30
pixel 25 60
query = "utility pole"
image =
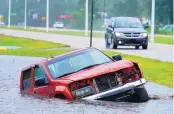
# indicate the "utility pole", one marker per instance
pixel 67 9
pixel 47 15
pixel 25 18
pixel 86 18
pixel 104 8
pixel 9 13
pixel 152 21
pixel 92 12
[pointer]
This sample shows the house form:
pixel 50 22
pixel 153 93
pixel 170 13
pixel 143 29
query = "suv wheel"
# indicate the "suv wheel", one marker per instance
pixel 106 42
pixel 112 44
pixel 144 46
pixel 137 47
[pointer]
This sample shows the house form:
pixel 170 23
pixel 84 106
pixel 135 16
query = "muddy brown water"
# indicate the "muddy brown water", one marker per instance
pixel 11 102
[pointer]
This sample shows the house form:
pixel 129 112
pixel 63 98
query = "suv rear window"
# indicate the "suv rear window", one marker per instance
pixel 26 79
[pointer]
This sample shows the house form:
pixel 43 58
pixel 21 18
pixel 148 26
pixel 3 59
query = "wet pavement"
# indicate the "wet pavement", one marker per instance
pixel 11 102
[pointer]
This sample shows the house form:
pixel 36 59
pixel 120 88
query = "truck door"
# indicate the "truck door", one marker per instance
pixel 41 84
pixel 26 81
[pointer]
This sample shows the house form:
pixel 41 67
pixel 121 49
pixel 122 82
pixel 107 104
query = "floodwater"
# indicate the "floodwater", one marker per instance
pixel 11 102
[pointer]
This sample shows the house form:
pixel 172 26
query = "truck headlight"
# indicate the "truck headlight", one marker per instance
pixel 83 92
pixel 144 34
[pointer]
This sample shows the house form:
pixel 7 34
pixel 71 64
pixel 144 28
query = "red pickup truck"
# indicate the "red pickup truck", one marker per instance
pixel 85 74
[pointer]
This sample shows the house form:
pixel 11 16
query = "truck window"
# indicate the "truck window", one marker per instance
pixel 40 78
pixel 26 79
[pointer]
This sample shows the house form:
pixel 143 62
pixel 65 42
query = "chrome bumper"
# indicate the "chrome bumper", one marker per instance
pixel 117 90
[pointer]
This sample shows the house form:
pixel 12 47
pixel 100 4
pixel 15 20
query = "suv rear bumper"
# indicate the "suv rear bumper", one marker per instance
pixel 131 41
pixel 118 90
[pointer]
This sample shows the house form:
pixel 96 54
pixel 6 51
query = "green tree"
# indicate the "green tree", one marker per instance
pixel 164 11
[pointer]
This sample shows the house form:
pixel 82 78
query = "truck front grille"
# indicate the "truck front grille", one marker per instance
pixel 107 81
pixel 115 79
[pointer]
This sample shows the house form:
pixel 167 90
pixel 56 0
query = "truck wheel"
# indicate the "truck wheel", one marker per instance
pixel 141 95
pixel 112 44
pixel 145 46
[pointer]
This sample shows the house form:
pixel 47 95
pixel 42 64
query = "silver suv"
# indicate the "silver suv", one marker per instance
pixel 127 31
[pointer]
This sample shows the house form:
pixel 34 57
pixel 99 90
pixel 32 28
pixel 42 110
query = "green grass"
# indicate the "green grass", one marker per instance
pixel 162 40
pixel 160 32
pixel 68 32
pixel 28 43
pixel 30 47
pixel 40 53
pixel 154 70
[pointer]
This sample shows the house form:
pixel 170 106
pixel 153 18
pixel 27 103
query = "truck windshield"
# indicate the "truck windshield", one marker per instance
pixel 75 62
pixel 127 23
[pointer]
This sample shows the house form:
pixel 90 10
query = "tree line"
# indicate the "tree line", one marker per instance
pixel 138 8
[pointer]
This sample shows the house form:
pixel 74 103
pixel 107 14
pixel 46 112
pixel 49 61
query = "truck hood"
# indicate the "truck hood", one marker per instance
pixel 122 30
pixel 98 70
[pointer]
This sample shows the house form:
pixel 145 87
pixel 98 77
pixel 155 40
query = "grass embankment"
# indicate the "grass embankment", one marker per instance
pixel 162 32
pixel 158 39
pixel 62 32
pixel 30 47
pixel 164 40
pixel 154 70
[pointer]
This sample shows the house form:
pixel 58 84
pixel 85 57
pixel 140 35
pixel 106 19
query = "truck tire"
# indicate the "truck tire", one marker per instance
pixel 141 95
pixel 144 46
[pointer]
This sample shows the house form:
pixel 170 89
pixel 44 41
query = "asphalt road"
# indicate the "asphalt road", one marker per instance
pixel 11 102
pixel 161 52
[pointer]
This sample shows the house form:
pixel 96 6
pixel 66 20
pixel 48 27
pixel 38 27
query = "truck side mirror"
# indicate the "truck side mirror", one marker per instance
pixel 110 26
pixel 117 57
pixel 41 82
